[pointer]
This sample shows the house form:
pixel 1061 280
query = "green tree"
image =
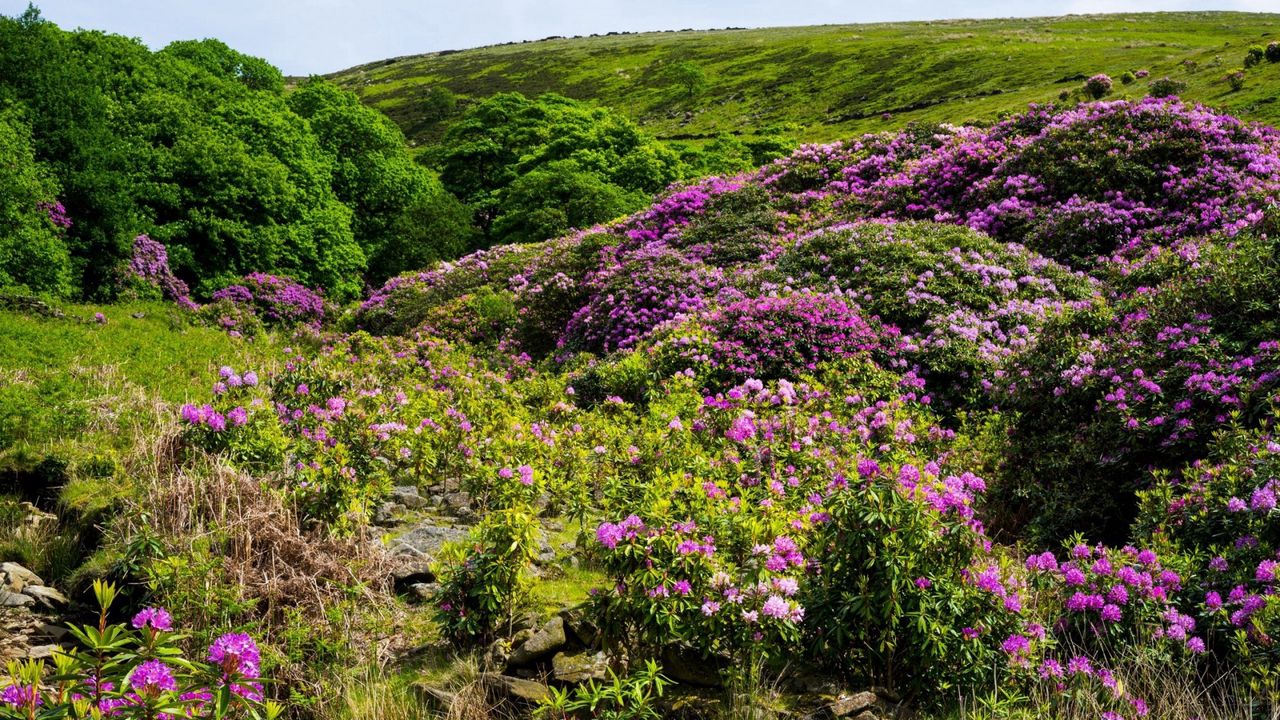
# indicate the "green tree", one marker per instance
pixel 509 136
pixel 556 198
pixel 32 251
pixel 404 219
pixel 689 77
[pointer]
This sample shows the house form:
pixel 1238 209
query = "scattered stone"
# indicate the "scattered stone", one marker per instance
pixel 18 576
pixel 46 596
pixel 579 667
pixel 496 656
pixel 40 652
pixel 407 496
pixel 433 697
pixel 385 515
pixel 579 627
pixel 544 643
pixel 520 691
pixel 424 591
pixel 13 599
pixel 859 706
pixel 412 572
pixel 525 621
pixel 426 538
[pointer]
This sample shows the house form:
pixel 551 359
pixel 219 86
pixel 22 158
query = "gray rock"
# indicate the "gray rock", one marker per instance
pixel 40 652
pixel 544 643
pixel 518 691
pixel 13 599
pixel 579 667
pixel 579 627
pixel 426 538
pixel 46 596
pixel 424 591
pixel 18 576
pixel 407 496
pixel 410 572
pixel 849 706
pixel 433 697
pixel 385 515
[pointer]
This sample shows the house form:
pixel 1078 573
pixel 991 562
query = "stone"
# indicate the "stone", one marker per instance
pixel 579 627
pixel 46 596
pixel 13 599
pixel 544 643
pixel 412 572
pixel 520 691
pixel 433 697
pixel 40 652
pixel 579 667
pixel 849 706
pixel 687 666
pixel 385 515
pixel 426 538
pixel 407 496
pixel 18 576
pixel 423 591
pixel 496 656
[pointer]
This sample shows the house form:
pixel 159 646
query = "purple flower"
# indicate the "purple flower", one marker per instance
pixel 155 618
pixel 236 654
pixel 151 678
pixel 20 696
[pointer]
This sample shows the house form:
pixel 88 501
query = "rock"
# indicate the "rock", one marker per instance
pixel 385 515
pixel 687 666
pixel 579 627
pixel 426 538
pixel 495 658
pixel 579 667
pixel 433 697
pixel 46 596
pixel 412 572
pixel 40 652
pixel 525 621
pixel 423 591
pixel 549 639
pixel 514 689
pixel 13 599
pixel 18 576
pixel 458 503
pixel 849 706
pixel 407 496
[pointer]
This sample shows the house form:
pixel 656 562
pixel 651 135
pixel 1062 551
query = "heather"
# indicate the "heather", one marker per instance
pixel 951 422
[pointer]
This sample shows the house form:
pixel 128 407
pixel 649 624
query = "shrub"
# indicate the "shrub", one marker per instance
pixel 1254 55
pixel 1236 80
pixel 276 300
pixel 1097 86
pixel 1273 52
pixel 483 583
pixel 139 671
pixel 1128 78
pixel 1166 87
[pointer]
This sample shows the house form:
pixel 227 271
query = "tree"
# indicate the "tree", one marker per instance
pixel 556 198
pixel 32 251
pixel 689 77
pixel 509 136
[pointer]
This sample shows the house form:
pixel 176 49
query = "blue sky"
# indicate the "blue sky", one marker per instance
pixel 317 36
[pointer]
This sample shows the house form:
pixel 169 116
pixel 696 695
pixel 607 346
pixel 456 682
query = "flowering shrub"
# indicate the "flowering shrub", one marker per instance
pixel 276 300
pixel 138 671
pixel 483 584
pixel 1097 86
pixel 149 265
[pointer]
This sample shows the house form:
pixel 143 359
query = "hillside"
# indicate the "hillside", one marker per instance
pixel 836 81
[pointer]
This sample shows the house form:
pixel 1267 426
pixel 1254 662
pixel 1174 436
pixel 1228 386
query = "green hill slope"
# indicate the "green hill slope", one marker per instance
pixel 838 80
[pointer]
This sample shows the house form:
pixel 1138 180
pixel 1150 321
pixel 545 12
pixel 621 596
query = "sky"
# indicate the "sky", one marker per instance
pixel 304 37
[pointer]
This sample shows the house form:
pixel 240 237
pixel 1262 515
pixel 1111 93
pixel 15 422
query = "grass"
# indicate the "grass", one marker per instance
pixel 835 81
pixel 70 386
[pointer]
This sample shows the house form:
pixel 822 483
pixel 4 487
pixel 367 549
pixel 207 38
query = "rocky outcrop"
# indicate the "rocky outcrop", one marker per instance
pixel 544 643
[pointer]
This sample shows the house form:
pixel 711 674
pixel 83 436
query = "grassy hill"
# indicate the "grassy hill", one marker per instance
pixel 834 81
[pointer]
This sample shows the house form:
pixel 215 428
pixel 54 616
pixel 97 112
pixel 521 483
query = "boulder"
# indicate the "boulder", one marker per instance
pixel 426 538
pixel 544 643
pixel 407 496
pixel 865 705
pixel 18 577
pixel 579 667
pixel 520 692
pixel 423 591
pixel 46 596
pixel 433 697
pixel 13 599
pixel 579 627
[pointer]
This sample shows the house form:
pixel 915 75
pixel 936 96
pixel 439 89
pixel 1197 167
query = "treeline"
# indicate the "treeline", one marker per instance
pixel 207 151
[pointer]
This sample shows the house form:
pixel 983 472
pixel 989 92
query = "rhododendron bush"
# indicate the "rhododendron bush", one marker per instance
pixel 920 410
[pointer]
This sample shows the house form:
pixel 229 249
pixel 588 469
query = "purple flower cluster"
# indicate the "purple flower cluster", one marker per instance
pixel 276 299
pixel 150 264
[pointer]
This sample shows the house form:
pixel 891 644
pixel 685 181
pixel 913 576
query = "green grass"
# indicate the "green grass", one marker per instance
pixel 835 81
pixel 70 386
